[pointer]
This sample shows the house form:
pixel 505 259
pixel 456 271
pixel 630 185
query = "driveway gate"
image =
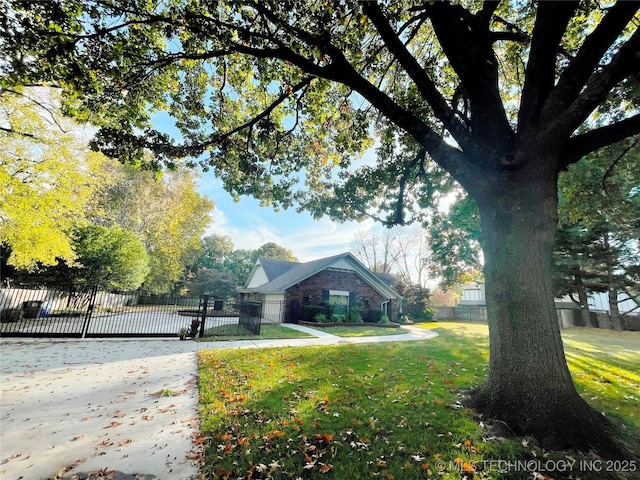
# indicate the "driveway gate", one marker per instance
pixel 87 312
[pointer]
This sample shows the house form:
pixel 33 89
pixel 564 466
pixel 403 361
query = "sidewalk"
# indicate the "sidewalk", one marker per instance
pixel 70 406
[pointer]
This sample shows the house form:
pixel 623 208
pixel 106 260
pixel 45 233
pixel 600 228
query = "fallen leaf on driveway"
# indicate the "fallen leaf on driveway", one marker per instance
pixel 105 443
pixel 7 460
pixel 103 474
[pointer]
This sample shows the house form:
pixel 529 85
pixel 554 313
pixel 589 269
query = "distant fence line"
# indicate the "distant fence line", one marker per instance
pixel 567 317
pixel 59 299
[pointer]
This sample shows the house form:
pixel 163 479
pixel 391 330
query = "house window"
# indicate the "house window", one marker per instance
pixel 339 297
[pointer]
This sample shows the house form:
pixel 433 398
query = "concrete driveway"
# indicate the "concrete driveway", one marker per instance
pixel 71 406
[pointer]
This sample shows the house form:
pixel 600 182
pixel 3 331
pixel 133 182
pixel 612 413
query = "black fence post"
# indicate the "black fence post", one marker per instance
pixel 90 307
pixel 205 304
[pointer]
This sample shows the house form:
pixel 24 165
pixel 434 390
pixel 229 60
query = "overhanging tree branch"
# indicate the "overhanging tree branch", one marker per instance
pixel 341 70
pixel 467 43
pixel 16 132
pixel 264 114
pixel 582 66
pixel 583 144
pixel 625 63
pixel 613 164
pixel 552 19
pixel 485 14
pixel 420 78
pixel 399 214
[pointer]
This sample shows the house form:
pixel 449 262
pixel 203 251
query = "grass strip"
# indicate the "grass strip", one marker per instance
pixel 267 332
pixel 364 331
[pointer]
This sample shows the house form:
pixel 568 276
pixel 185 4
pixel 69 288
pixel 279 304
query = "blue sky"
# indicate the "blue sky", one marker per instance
pixel 249 225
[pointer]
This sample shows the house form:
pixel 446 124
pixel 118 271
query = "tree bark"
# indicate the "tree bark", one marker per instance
pixel 612 287
pixel 529 386
pixel 585 314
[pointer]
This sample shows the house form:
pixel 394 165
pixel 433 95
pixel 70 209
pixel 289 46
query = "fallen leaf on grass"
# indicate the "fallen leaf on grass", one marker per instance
pixel 325 437
pixel 226 448
pixel 273 434
pixel 198 439
pixel 324 467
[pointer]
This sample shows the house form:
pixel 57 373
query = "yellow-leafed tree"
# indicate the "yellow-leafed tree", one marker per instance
pixel 47 175
pixel 163 209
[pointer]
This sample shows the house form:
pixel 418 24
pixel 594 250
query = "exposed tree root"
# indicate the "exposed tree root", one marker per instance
pixel 557 422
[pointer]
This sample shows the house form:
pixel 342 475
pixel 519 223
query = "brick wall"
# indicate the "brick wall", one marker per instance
pixel 309 291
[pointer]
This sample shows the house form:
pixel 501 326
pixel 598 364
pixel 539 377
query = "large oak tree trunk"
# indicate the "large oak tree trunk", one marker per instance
pixel 529 386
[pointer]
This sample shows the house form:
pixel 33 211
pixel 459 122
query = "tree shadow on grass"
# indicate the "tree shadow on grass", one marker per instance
pixel 384 406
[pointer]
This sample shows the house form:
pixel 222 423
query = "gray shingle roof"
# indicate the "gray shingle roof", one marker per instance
pixel 275 268
pixel 389 280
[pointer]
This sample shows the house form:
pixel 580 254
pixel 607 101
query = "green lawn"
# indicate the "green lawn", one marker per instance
pixel 390 410
pixel 363 331
pixel 267 332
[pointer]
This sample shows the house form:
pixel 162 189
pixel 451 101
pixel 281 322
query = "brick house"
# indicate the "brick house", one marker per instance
pixel 340 280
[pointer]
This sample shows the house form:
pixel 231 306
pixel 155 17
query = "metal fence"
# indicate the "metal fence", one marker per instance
pixel 87 312
pixel 466 313
pixel 567 317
